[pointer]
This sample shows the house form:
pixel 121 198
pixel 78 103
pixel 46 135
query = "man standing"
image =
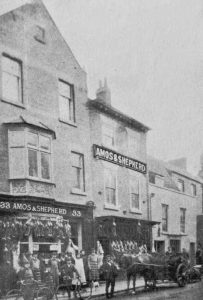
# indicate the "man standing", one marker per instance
pixel 110 272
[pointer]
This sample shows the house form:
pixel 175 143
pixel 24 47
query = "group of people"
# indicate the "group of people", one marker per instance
pixel 59 268
pixel 67 269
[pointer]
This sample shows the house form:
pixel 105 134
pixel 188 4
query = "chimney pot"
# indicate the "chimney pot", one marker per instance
pixel 103 93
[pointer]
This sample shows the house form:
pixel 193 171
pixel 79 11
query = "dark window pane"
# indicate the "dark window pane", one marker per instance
pixel 111 196
pixel 45 165
pixel 135 201
pixel 32 160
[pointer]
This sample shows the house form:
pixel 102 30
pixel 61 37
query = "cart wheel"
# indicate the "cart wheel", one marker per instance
pixel 14 294
pixel 44 294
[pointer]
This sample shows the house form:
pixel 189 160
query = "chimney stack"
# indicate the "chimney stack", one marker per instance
pixel 103 93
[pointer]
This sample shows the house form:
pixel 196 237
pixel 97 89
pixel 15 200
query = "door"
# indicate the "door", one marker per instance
pixel 192 253
pixel 159 246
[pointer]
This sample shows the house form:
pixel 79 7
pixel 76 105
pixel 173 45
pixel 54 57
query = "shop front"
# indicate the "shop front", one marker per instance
pixel 30 225
pixel 120 235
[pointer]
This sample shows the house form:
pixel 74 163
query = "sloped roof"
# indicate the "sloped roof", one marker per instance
pixel 165 169
pixel 29 120
pixel 39 3
pixel 114 112
pixel 174 169
pixel 158 167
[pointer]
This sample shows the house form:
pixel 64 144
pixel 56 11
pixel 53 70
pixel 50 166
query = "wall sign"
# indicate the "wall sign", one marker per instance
pixel 119 159
pixel 38 208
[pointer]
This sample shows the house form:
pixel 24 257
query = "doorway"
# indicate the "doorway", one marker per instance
pixel 192 253
pixel 159 246
pixel 175 245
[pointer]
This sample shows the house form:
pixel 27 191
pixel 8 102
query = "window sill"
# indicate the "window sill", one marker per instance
pixel 111 207
pixel 34 179
pixel 13 103
pixel 75 191
pixel 135 211
pixel 68 122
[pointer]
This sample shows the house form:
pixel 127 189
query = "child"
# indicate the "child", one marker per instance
pixel 67 272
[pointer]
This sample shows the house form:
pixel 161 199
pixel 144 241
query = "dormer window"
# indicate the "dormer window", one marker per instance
pixel 181 185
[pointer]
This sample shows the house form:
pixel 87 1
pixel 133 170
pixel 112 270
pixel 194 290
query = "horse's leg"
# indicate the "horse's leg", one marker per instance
pixel 128 283
pixel 134 282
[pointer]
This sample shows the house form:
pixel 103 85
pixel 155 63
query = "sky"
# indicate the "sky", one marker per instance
pixel 151 52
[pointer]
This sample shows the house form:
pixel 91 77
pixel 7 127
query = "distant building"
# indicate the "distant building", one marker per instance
pixel 120 186
pixel 200 215
pixel 176 200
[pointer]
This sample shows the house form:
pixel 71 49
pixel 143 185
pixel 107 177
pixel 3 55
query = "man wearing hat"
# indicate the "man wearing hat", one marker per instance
pixel 67 273
pixel 25 275
pixel 35 265
pixel 110 272
pixel 54 262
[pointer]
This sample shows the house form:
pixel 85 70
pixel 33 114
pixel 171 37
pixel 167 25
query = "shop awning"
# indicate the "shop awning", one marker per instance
pixel 123 219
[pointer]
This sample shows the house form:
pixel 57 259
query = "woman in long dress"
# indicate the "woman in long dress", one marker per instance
pixel 80 267
pixel 93 263
pixel 100 253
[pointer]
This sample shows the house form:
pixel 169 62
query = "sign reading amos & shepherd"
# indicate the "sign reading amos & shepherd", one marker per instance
pixel 38 208
pixel 119 159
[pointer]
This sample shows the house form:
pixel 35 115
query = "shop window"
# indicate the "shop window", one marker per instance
pixel 193 189
pixel 29 155
pixel 181 185
pixel 164 217
pixel 175 245
pixel 11 80
pixel 182 220
pixel 66 102
pixel 78 171
pixel 134 194
pixel 110 187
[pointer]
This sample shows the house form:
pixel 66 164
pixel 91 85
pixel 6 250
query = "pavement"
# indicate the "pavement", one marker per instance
pixel 98 292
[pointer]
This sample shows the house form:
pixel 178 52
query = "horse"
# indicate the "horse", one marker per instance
pixel 137 264
pixel 150 266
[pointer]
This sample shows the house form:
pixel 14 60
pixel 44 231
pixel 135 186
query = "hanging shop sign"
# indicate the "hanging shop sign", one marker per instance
pixel 38 208
pixel 119 159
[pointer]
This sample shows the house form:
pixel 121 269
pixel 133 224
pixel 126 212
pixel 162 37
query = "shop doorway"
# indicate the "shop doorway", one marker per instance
pixel 159 246
pixel 175 245
pixel 192 253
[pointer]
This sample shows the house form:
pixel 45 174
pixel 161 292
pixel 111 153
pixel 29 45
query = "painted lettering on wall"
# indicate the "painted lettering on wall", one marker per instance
pixel 119 159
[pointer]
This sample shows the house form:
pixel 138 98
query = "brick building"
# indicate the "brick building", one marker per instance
pixel 175 201
pixel 45 175
pixel 120 185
